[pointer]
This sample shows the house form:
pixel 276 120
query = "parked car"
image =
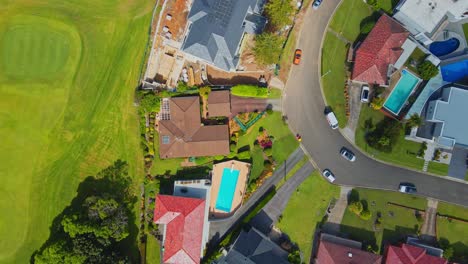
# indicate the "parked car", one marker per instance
pixel 406 187
pixel 332 121
pixel 297 57
pixel 329 175
pixel 347 154
pixel 365 94
pixel 316 4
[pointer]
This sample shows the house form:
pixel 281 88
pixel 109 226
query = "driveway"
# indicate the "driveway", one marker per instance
pixel 247 104
pixel 304 106
pixel 457 167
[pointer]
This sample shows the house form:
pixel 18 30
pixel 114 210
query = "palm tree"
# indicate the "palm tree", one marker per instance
pixel 414 121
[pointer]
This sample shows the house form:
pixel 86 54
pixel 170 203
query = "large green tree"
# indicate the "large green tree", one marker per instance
pixel 427 70
pixel 268 47
pixel 279 12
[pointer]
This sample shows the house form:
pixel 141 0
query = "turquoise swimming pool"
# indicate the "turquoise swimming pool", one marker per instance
pixel 227 189
pixel 401 92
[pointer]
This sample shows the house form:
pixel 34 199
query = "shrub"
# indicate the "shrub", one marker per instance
pixel 367 26
pixel 205 91
pixel 356 207
pixel 419 217
pixel 385 135
pixel 260 129
pixel 246 90
pixel 422 149
pixel 377 103
pixel 365 215
pixel 232 147
pixel 427 70
pixel 448 253
pixel 245 155
pixel 414 121
pixel 373 3
pixel 279 12
pixel 437 154
pixel 182 87
pixel 268 151
pixel 268 48
pixel 294 257
pixel 378 90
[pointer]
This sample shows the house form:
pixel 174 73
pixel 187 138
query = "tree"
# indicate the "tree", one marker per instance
pixel 377 103
pixel 427 70
pixel 385 135
pixel 448 253
pixel 294 257
pixel 356 207
pixel 367 26
pixel 149 102
pixel 279 12
pixel 414 121
pixel 267 48
pixel 365 214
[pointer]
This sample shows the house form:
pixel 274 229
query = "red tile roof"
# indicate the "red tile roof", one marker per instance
pixel 331 253
pixel 408 254
pixel 184 218
pixel 380 48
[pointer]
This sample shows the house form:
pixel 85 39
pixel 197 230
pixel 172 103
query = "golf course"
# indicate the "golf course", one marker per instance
pixel 68 70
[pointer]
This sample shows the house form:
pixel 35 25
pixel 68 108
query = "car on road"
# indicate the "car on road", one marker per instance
pixel 347 154
pixel 406 187
pixel 332 121
pixel 297 57
pixel 365 94
pixel 329 175
pixel 316 4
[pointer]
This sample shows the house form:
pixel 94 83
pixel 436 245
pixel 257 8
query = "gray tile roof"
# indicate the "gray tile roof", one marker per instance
pixel 254 247
pixel 217 27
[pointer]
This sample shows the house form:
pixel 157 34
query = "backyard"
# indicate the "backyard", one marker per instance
pixel 451 230
pixel 396 222
pixel 404 152
pixel 345 23
pixel 305 211
pixel 67 79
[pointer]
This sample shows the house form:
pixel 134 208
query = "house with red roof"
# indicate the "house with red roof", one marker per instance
pixel 375 57
pixel 182 221
pixel 409 254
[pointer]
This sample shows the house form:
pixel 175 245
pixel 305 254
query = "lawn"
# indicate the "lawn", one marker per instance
pixel 394 228
pixel 465 31
pixel 67 76
pixel 334 76
pixel 348 17
pixel 418 56
pixel 305 210
pixel 438 168
pixel 453 230
pixel 152 250
pixel 403 153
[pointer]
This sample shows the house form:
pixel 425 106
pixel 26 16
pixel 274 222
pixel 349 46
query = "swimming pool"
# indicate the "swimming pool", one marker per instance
pixel 441 48
pixel 401 92
pixel 455 71
pixel 227 189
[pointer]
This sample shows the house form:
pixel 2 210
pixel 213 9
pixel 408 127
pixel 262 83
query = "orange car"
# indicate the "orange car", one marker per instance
pixel 297 56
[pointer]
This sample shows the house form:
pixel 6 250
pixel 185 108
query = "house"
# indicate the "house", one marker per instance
pixel 219 103
pixel 409 254
pixel 378 53
pixel 252 247
pixel 446 114
pixel 181 133
pixel 426 18
pixel 215 30
pixel 337 250
pixel 181 221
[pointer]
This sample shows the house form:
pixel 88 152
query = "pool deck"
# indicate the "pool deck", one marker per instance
pixel 216 176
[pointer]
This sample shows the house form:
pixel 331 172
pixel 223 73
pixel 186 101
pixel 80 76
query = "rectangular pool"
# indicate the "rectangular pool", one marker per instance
pixel 403 89
pixel 227 189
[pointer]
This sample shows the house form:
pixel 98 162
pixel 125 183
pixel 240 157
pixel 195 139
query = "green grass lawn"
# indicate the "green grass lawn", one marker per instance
pixel 403 153
pixel 465 31
pixel 348 17
pixel 152 251
pixel 394 228
pixel 333 75
pixel 417 56
pixel 453 230
pixel 438 168
pixel 305 210
pixel 67 76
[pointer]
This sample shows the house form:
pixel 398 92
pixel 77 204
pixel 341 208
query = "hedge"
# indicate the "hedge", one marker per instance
pixel 249 91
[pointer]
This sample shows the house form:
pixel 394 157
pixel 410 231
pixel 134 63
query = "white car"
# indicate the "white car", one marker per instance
pixel 365 94
pixel 347 154
pixel 329 175
pixel 407 188
pixel 332 121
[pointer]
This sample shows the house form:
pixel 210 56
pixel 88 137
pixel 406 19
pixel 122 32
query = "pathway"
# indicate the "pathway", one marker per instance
pixel 428 154
pixel 220 227
pixel 336 214
pixel 271 212
pixel 428 230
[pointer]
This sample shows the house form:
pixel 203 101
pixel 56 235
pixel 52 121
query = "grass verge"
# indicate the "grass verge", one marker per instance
pixel 438 168
pixel 453 230
pixel 305 210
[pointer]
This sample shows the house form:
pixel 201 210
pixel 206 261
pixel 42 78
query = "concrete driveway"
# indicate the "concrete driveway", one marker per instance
pixel 457 167
pixel 304 105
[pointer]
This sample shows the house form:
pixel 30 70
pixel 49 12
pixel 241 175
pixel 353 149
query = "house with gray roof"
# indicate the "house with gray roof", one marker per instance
pixel 253 247
pixel 216 29
pixel 448 114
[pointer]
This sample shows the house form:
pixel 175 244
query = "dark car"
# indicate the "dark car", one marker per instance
pixel 347 154
pixel 316 4
pixel 406 187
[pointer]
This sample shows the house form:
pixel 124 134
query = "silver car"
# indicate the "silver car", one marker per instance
pixel 329 175
pixel 347 154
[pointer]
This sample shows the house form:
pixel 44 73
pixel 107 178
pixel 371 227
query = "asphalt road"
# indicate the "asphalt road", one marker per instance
pixel 304 106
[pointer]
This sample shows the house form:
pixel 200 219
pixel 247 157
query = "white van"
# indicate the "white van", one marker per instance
pixel 332 121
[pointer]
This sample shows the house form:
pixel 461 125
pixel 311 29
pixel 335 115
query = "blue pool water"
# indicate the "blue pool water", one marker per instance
pixel 441 48
pixel 455 72
pixel 227 189
pixel 401 92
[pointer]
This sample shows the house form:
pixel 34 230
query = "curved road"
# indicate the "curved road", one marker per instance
pixel 304 106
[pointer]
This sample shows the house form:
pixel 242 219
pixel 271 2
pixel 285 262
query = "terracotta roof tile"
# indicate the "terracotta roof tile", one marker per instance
pixel 380 48
pixel 408 254
pixel 331 253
